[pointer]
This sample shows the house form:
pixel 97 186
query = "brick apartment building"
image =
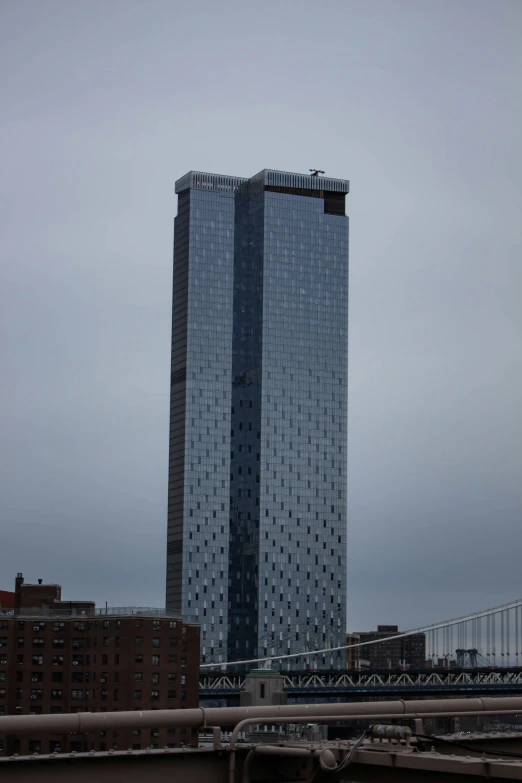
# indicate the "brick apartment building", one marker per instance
pixel 410 651
pixel 353 654
pixel 59 656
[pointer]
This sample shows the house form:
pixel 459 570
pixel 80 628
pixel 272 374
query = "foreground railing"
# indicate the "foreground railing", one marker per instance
pixel 386 745
pixel 231 716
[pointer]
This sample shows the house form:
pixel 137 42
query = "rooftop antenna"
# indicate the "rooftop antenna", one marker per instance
pixel 315 172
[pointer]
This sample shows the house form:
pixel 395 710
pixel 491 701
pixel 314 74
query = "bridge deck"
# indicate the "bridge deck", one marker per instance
pixel 379 764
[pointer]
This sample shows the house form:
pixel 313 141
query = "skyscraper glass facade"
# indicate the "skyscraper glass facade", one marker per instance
pixel 257 475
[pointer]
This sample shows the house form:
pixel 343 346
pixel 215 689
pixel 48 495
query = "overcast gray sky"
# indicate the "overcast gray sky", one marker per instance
pixel 418 102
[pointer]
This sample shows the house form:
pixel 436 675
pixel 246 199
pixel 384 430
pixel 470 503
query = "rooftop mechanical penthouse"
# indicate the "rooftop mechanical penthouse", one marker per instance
pixel 258 424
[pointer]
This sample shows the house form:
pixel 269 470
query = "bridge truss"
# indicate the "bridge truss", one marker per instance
pixel 373 680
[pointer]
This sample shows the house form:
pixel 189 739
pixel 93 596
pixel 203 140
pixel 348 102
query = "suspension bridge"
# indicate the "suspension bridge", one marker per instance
pixel 479 653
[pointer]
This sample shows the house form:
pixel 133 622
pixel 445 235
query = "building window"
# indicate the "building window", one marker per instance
pixel 156 624
pixel 138 659
pixel 37 660
pixel 138 675
pixel 137 694
pixel 155 678
pixel 171 694
pixel 154 694
pixel 139 640
pixel 155 660
pixel 173 624
pixel 77 694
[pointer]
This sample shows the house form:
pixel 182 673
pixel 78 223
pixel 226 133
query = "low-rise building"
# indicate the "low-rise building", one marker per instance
pixel 390 652
pixel 62 657
pixel 352 653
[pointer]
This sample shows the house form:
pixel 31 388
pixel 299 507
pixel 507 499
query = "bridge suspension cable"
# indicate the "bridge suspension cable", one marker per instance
pixel 446 627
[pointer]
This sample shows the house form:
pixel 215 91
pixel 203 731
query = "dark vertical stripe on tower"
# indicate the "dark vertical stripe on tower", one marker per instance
pixel 178 383
pixel 246 426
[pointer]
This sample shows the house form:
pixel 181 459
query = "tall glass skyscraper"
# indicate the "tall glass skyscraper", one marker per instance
pixel 258 428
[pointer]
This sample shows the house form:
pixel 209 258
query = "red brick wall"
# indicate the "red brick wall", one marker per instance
pixel 93 665
pixel 35 596
pixel 7 599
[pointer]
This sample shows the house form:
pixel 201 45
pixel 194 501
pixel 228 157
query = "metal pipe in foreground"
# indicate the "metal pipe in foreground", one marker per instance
pixel 252 721
pixel 229 716
pixel 327 756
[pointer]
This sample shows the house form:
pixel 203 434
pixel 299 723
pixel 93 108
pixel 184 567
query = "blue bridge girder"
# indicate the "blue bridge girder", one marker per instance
pixel 303 684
